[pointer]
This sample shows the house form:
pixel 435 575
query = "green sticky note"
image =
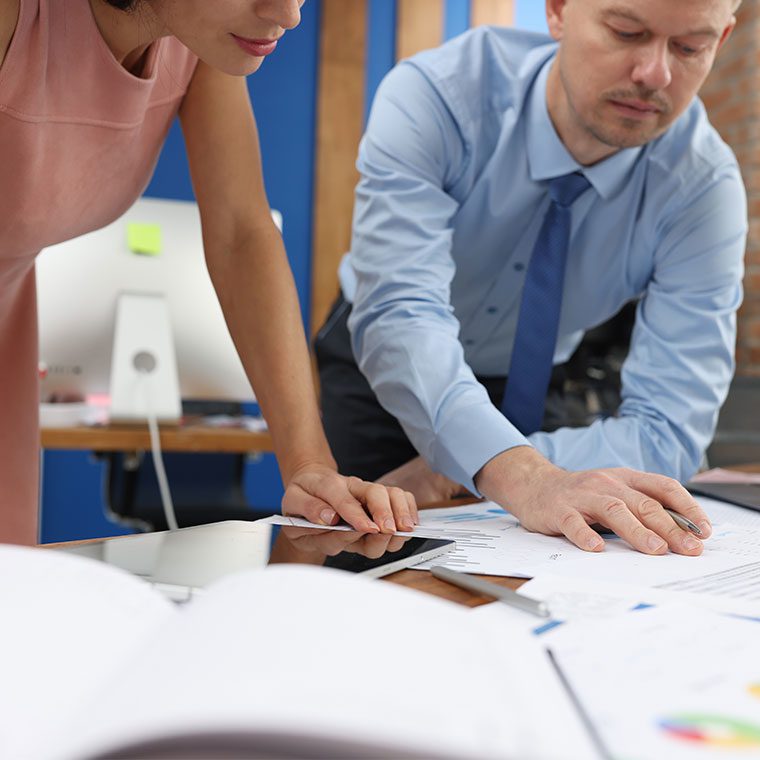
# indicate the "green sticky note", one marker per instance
pixel 144 238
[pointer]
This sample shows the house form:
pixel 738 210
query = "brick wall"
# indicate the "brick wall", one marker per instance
pixel 732 97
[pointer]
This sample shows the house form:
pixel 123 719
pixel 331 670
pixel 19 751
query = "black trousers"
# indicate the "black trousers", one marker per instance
pixel 365 439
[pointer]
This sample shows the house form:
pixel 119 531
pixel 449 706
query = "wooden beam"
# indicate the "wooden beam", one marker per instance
pixel 419 26
pixel 340 110
pixel 498 12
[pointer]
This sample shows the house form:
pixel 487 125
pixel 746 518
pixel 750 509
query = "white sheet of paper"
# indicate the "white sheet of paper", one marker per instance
pixel 571 600
pixel 722 511
pixel 336 655
pixel 65 628
pixel 585 598
pixel 490 541
pixel 667 682
pixel 300 522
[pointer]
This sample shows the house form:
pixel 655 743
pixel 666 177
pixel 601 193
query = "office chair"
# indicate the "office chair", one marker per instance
pixel 205 488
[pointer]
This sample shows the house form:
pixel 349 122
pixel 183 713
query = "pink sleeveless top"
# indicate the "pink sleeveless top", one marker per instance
pixel 79 138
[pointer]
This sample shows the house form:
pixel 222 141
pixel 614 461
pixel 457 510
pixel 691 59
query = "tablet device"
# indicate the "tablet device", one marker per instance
pixel 182 562
pixel 742 494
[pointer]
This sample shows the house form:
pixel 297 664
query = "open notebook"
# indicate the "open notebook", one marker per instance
pixel 287 661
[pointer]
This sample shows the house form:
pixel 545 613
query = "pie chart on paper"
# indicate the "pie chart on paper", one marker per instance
pixel 713 730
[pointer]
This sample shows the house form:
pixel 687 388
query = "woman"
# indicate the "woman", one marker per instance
pixel 88 89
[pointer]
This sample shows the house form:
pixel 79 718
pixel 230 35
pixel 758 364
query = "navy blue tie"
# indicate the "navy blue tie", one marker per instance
pixel 536 337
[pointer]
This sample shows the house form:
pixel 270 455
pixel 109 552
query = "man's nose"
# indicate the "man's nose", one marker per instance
pixel 652 68
pixel 283 13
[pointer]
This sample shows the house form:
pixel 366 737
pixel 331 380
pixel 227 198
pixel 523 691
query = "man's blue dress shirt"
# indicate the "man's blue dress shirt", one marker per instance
pixel 454 168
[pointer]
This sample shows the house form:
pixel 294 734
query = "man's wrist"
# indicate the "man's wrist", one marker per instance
pixel 505 477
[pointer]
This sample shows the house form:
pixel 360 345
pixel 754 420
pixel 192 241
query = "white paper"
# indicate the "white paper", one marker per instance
pixel 585 598
pixel 568 601
pixel 667 682
pixel 315 652
pixel 492 542
pixel 722 511
pixel 300 522
pixel 66 623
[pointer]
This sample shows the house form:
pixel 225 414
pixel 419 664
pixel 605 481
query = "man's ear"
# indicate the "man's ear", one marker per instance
pixel 726 33
pixel 555 10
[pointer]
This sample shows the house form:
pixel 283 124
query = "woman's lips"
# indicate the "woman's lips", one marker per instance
pixel 256 48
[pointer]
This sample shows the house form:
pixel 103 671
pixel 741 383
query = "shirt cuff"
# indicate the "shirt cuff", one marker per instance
pixel 471 437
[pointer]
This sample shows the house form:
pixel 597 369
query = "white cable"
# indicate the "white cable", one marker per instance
pixel 158 462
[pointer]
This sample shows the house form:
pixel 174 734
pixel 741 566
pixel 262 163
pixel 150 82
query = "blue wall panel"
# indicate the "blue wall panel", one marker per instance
pixel 284 97
pixel 456 18
pixel 381 46
pixel 72 504
pixel 530 14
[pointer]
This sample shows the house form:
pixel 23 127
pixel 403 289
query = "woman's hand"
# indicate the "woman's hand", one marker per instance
pixel 322 496
pixel 318 545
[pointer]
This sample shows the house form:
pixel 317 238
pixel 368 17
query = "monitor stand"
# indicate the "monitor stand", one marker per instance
pixel 143 364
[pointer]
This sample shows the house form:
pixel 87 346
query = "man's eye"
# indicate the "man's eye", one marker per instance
pixel 686 50
pixel 626 36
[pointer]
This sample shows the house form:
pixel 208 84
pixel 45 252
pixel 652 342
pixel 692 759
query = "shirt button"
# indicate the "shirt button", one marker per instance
pixel 469 342
pixel 492 309
pixel 519 266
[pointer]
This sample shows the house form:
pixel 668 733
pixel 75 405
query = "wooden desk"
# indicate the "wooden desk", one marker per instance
pixel 422 580
pixel 189 437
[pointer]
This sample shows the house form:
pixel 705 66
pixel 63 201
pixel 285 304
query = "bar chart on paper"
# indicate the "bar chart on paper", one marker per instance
pixel 477 530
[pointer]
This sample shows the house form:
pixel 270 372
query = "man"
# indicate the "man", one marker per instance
pixel 503 175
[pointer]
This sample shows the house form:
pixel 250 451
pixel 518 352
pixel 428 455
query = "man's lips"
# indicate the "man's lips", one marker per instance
pixel 636 108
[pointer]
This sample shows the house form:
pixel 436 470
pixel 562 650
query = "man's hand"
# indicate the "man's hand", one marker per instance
pixel 428 487
pixel 322 496
pixel 548 499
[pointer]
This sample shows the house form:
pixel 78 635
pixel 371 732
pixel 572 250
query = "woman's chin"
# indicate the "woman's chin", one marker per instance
pixel 239 66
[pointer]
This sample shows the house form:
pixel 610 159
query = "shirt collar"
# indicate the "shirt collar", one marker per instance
pixel 549 158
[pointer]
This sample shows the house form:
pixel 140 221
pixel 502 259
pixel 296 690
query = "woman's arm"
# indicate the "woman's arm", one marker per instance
pixel 248 266
pixel 9 10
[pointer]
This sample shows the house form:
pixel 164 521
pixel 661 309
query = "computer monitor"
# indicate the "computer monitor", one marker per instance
pixel 79 283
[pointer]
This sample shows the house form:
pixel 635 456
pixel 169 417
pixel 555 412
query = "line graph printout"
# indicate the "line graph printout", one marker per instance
pixel 737 582
pixel 490 541
pixel 498 545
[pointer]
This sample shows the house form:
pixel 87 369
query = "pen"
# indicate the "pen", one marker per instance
pixel 500 593
pixel 684 522
pixel 580 709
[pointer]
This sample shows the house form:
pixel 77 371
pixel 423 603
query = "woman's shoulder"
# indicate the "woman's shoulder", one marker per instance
pixel 9 10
